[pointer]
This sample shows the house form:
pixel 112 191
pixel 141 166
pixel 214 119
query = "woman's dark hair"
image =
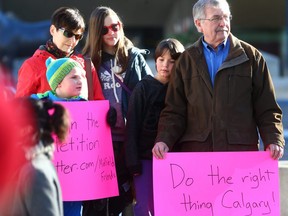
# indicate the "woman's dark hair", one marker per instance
pixel 44 118
pixel 172 45
pixel 68 18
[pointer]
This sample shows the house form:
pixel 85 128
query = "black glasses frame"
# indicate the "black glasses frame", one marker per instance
pixel 70 34
pixel 216 19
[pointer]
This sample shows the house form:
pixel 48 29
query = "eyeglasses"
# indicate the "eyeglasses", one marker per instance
pixel 114 27
pixel 218 18
pixel 70 34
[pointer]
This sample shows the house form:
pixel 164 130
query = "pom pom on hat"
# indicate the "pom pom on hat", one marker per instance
pixel 58 69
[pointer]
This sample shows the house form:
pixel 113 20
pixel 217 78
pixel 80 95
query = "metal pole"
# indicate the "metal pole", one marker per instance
pixel 284 70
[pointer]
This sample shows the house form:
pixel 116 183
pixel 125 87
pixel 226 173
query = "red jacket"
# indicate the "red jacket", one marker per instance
pixel 32 75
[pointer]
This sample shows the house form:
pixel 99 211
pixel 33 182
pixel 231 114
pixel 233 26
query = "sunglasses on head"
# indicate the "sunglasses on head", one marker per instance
pixel 70 34
pixel 114 27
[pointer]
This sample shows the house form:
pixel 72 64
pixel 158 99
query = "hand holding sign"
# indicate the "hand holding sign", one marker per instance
pixel 159 150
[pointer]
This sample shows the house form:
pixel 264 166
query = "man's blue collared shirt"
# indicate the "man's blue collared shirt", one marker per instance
pixel 215 58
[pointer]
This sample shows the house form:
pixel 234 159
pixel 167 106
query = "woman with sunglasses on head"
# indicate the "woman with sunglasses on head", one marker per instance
pixel 67 29
pixel 120 66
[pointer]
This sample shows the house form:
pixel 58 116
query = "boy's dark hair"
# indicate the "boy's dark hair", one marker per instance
pixel 68 18
pixel 172 45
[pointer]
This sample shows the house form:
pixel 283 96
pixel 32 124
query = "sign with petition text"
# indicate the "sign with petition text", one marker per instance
pixel 85 161
pixel 216 184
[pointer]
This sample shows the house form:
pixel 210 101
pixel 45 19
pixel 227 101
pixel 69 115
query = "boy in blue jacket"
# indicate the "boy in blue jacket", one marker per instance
pixel 68 82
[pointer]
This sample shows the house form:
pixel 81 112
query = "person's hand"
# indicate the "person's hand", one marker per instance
pixel 111 116
pixel 159 150
pixel 276 151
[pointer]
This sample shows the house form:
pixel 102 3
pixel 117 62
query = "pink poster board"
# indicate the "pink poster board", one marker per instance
pixel 216 184
pixel 85 161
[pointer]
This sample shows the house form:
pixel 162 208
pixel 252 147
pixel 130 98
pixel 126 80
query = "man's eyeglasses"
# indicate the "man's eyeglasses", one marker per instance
pixel 218 18
pixel 114 27
pixel 70 34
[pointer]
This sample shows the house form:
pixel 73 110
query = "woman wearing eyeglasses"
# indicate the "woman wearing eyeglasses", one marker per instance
pixel 67 29
pixel 120 66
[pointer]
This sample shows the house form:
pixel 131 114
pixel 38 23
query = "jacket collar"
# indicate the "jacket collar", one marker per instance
pixel 236 56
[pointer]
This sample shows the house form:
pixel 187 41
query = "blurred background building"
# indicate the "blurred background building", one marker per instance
pixel 24 25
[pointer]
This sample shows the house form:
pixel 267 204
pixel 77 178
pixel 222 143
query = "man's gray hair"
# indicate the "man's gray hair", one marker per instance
pixel 199 7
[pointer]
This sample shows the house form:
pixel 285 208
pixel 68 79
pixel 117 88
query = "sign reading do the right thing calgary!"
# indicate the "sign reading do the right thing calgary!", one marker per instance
pixel 216 184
